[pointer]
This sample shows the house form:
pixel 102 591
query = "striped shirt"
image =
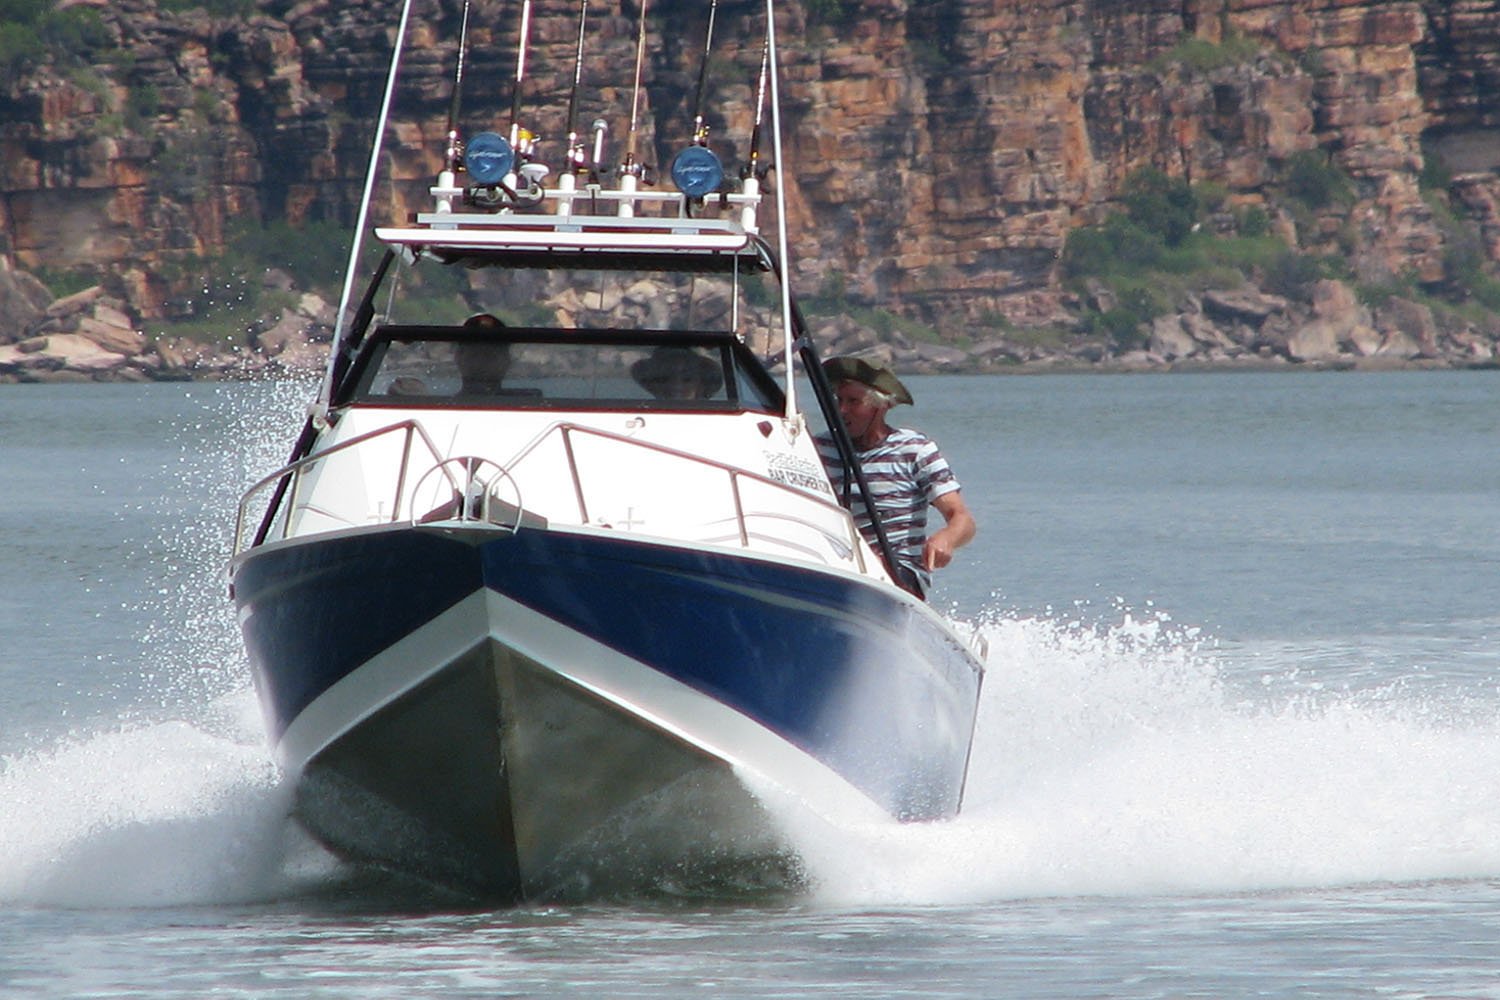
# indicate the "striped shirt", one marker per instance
pixel 906 473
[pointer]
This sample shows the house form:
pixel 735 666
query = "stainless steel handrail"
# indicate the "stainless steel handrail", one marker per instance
pixel 412 428
pixel 735 474
pixel 565 432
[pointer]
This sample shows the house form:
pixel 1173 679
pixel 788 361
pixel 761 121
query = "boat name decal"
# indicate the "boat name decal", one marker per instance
pixel 794 470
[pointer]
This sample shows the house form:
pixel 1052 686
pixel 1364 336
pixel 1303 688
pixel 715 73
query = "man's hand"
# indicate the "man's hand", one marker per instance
pixel 956 533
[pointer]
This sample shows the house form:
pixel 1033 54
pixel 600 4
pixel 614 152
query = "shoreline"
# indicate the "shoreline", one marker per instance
pixel 148 370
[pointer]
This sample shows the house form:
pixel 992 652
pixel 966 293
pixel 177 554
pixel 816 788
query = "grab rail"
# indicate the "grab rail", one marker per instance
pixel 568 430
pixel 294 471
pixel 565 433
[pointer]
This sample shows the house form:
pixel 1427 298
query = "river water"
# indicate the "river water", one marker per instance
pixel 1240 732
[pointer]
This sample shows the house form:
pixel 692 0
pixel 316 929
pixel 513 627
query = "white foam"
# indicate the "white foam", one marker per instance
pixel 189 810
pixel 1112 761
pixel 1108 761
pixel 163 814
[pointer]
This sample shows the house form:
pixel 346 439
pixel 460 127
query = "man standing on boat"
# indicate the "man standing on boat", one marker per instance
pixel 905 472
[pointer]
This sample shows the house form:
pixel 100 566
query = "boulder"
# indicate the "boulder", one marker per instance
pixel 997 351
pixel 111 330
pixel 940 358
pixel 1208 332
pixel 1365 341
pixel 1408 328
pixel 23 301
pixel 289 333
pixel 1243 305
pixel 12 359
pixel 74 352
pixel 77 302
pixel 1315 340
pixel 1170 340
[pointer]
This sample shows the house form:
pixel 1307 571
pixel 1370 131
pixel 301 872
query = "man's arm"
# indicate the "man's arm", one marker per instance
pixel 956 533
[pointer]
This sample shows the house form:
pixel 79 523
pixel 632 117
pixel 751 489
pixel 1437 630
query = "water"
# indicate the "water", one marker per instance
pixel 1240 733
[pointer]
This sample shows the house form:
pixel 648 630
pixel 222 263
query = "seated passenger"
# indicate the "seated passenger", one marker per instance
pixel 481 364
pixel 481 367
pixel 677 373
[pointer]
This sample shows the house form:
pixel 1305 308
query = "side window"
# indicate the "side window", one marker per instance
pixel 679 374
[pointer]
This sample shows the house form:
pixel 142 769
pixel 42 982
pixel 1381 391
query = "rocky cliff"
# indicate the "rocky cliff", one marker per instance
pixel 939 154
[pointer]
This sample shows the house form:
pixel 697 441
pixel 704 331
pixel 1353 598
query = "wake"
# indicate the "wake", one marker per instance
pixel 1116 760
pixel 1108 760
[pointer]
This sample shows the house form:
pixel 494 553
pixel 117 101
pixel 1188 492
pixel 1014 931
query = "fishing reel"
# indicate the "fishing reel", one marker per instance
pixel 697 171
pixel 643 173
pixel 500 173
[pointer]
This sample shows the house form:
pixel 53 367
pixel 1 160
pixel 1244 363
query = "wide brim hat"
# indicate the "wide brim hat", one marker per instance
pixel 670 362
pixel 850 369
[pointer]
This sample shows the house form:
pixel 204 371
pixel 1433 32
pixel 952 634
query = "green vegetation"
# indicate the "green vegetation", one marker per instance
pixel 1145 259
pixel 1314 182
pixel 1199 55
pixel 832 299
pixel 142 104
pixel 1464 258
pixel 827 11
pixel 1436 175
pixel 229 293
pixel 64 283
pixel 215 8
pixel 34 31
pixel 1172 239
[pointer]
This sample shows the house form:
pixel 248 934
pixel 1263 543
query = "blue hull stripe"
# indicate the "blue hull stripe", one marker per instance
pixel 312 613
pixel 851 673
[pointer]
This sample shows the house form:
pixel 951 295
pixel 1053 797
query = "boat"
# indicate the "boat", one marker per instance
pixel 555 599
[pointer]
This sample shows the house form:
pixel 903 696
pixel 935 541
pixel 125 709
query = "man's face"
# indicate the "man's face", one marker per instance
pixel 856 408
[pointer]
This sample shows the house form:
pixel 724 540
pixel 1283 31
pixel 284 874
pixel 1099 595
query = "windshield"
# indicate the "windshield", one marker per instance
pixel 561 370
pixel 742 301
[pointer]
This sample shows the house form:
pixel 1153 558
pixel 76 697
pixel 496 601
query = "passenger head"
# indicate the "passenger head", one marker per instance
pixel 865 393
pixel 678 373
pixel 484 321
pixel 482 364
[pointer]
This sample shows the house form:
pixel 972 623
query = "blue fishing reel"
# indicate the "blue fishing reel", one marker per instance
pixel 697 172
pixel 489 157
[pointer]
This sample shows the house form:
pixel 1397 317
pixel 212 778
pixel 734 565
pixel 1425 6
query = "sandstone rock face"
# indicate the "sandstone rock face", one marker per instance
pixel 937 154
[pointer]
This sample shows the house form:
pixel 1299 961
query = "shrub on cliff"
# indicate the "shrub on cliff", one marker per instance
pixel 34 31
pixel 1147 259
pixel 1167 206
pixel 1313 180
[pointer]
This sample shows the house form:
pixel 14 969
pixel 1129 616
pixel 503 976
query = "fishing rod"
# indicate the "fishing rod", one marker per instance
pixel 700 126
pixel 771 74
pixel 631 172
pixel 752 169
pixel 516 132
pixel 630 167
pixel 341 320
pixel 696 170
pixel 576 156
pixel 455 152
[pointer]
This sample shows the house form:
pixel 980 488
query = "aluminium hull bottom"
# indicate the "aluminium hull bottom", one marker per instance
pixel 544 713
pixel 497 778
